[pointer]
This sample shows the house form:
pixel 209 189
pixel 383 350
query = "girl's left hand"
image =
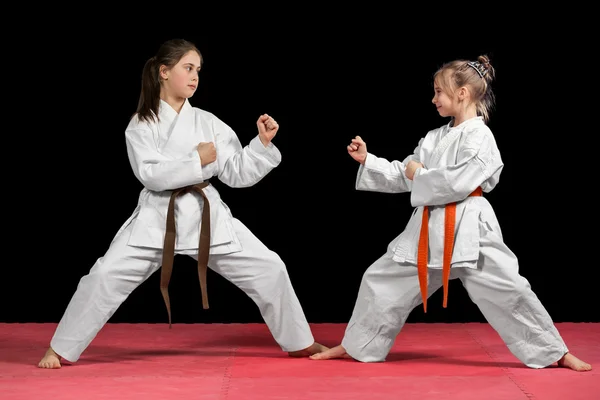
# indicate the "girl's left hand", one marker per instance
pixel 411 167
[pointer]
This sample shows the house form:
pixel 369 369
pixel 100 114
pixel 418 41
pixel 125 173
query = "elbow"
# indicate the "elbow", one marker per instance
pixel 154 185
pixel 416 201
pixel 239 179
pixel 421 198
pixel 238 183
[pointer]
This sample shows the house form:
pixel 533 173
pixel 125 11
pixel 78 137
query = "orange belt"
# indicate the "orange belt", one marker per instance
pixel 449 223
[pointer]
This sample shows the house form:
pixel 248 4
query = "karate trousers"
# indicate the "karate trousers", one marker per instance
pixel 256 270
pixel 389 291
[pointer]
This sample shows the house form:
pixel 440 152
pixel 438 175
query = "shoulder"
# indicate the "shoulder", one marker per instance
pixel 206 115
pixel 435 133
pixel 202 113
pixel 438 130
pixel 139 130
pixel 136 123
pixel 210 119
pixel 478 134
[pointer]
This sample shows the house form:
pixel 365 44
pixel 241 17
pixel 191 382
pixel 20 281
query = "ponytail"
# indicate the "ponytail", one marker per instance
pixel 150 93
pixel 168 55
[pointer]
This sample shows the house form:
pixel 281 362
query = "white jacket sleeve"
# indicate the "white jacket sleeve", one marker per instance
pixel 155 171
pixel 380 175
pixel 238 166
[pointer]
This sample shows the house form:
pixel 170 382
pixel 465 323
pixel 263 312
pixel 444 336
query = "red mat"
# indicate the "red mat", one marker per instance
pixel 241 361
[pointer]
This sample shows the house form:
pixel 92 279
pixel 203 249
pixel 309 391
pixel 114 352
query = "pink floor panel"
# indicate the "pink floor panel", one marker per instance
pixel 241 361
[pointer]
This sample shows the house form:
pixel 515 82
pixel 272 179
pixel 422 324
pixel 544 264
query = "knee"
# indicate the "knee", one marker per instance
pixel 370 359
pixel 103 273
pixel 513 293
pixel 521 287
pixel 100 271
pixel 272 273
pixel 365 345
pixel 518 288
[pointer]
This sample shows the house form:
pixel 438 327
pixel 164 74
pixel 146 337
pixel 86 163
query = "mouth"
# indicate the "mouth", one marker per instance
pixel 192 87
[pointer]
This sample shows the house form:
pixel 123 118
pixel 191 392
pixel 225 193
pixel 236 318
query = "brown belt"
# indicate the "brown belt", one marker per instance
pixel 449 223
pixel 169 245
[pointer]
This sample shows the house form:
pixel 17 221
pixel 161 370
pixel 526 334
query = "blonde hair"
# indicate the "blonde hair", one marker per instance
pixel 476 75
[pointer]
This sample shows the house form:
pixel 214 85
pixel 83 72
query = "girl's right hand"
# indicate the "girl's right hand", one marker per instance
pixel 358 149
pixel 207 152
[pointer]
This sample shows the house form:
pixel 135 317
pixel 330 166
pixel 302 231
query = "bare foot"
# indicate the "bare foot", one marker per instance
pixel 570 361
pixel 51 360
pixel 334 352
pixel 309 351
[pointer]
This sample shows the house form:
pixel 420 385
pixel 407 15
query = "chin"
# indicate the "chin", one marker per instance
pixel 187 94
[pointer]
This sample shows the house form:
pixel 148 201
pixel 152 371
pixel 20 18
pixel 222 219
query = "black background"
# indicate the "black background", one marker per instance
pixel 325 79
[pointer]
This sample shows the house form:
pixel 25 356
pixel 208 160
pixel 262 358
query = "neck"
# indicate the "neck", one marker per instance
pixel 464 114
pixel 173 101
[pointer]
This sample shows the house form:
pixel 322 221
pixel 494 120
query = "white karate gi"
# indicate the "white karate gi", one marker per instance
pixel 457 160
pixel 164 157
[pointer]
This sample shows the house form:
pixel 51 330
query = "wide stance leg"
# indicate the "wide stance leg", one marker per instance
pixel 262 275
pixel 99 293
pixel 388 293
pixel 506 300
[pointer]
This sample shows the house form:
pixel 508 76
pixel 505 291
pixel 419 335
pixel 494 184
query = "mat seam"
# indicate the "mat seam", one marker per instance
pixel 225 385
pixel 509 374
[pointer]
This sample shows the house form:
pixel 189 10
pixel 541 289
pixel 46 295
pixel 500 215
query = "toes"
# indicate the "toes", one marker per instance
pixel 586 367
pixel 49 364
pixel 326 355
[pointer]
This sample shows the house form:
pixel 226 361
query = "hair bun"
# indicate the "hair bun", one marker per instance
pixel 485 61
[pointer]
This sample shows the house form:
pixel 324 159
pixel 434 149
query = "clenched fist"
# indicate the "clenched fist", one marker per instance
pixel 358 150
pixel 207 152
pixel 411 167
pixel 267 128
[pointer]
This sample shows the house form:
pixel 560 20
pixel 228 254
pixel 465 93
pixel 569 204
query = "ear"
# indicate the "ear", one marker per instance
pixel 463 93
pixel 163 72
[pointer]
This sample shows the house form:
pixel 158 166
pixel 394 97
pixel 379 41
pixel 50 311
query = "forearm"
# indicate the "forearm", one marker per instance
pixel 380 175
pixel 170 175
pixel 439 186
pixel 249 165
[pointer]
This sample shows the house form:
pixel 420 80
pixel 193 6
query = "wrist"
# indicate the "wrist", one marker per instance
pixel 200 157
pixel 264 140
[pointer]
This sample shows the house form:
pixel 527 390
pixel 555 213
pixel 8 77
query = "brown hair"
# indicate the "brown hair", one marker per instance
pixel 168 54
pixel 477 75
